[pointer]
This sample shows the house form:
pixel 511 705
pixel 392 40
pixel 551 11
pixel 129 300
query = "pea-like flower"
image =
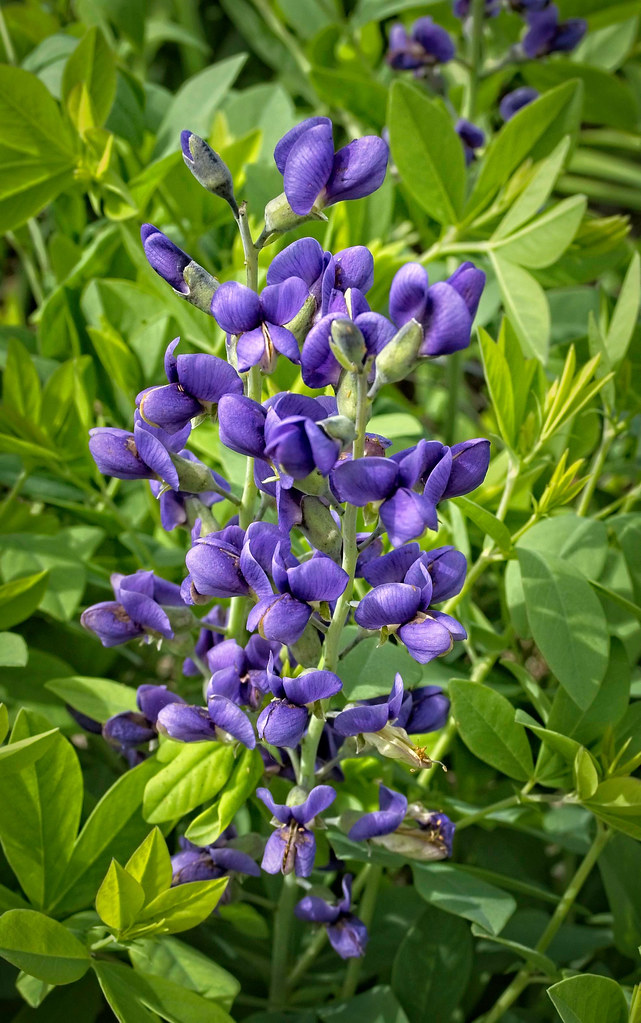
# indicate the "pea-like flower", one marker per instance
pixel 220 721
pixel 131 728
pixel 180 271
pixel 546 34
pixel 285 718
pixel 144 454
pixel 292 847
pixel 196 385
pixel 241 673
pixel 323 273
pixel 319 365
pixel 426 45
pixel 259 321
pixel 138 610
pixel 410 831
pixel 208 862
pixel 314 176
pixel 347 934
pixel 471 136
pixel 392 807
pixel 514 101
pixel 445 310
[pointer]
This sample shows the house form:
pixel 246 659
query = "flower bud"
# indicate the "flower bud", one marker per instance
pixel 399 356
pixel 208 168
pixel 319 527
pixel 280 217
pixel 303 319
pixel 346 395
pixel 202 286
pixel 194 477
pixel 339 427
pixel 348 343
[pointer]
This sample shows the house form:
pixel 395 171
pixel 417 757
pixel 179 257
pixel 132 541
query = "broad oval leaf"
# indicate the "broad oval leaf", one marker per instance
pixel 589 998
pixel 195 774
pixel 486 724
pixel 42 947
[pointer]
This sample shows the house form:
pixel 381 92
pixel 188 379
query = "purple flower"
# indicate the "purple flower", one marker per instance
pixel 424 710
pixel 258 321
pixel 292 847
pixel 173 504
pixel 129 729
pixel 205 863
pixel 315 176
pixel 385 820
pixel 471 136
pixel 240 673
pixel 426 45
pixel 220 721
pixel 347 934
pixel 241 423
pixel 546 34
pixel 284 719
pixel 145 454
pixel 461 8
pixel 284 615
pixel 370 716
pixel 137 610
pixel 445 310
pixel 196 385
pixel 207 639
pixel 323 273
pixel 514 101
pixel 318 363
pixel 179 270
pixel 297 446
pixel 214 566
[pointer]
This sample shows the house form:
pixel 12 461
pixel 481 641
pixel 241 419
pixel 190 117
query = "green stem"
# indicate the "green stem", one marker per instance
pixel 6 40
pixel 30 270
pixel 564 906
pixel 365 913
pixel 454 375
pixel 607 439
pixel 281 942
pixel 304 961
pixel 475 57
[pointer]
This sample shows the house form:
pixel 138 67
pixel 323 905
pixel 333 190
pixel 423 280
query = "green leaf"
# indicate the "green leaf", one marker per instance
pixel 42 947
pixel 89 81
pixel 432 966
pixel 586 776
pixel 376 10
pixel 13 650
pixel 543 240
pixel 122 993
pixel 624 318
pixel 20 382
pixel 607 97
pixel 185 966
pixel 486 522
pixel 211 823
pixel 427 152
pixel 196 102
pixel 525 304
pixel 567 622
pixel 368 670
pixel 589 998
pixel 20 597
pixel 536 193
pixel 120 899
pixel 98 698
pixel 486 724
pixel 607 708
pixel 620 866
pixel 617 802
pixel 36 147
pixel 581 542
pixel 367 97
pixel 4 722
pixel 150 865
pixel 41 812
pixel 378 1005
pixel 195 774
pixel 499 381
pixel 450 888
pixel 181 908
pixel 537 960
pixel 125 988
pixel 18 755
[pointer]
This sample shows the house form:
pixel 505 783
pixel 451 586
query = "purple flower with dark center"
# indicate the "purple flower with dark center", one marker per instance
pixel 392 809
pixel 514 101
pixel 323 273
pixel 240 673
pixel 206 863
pixel 347 934
pixel 445 310
pixel 207 639
pixel 426 45
pixel 284 719
pixel 220 721
pixel 137 610
pixel 130 729
pixel 284 615
pixel 546 34
pixel 196 385
pixel 315 176
pixel 292 847
pixel 297 446
pixel 318 363
pixel 259 321
pixel 472 138
pixel 445 567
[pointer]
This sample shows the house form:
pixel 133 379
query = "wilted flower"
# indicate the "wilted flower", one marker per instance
pixel 347 934
pixel 427 44
pixel 315 176
pixel 385 820
pixel 292 847
pixel 546 34
pixel 514 101
pixel 259 321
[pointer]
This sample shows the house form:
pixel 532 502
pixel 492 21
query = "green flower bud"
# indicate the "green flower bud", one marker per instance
pixel 307 649
pixel 340 428
pixel 201 286
pixel 348 344
pixel 319 527
pixel 399 356
pixel 280 217
pixel 208 168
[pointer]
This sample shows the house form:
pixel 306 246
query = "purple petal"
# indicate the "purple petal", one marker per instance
pixel 361 480
pixel 426 639
pixel 234 860
pixel 408 294
pixel 316 910
pixel 389 604
pixel 284 342
pixel 156 456
pixel 455 628
pixel 279 618
pixel 449 323
pixel 305 852
pixel 111 623
pixel 277 810
pixel 168 406
pixel 288 141
pixel 358 169
pixel 470 461
pixel 114 452
pixel 395 698
pixel 516 100
pixel 241 424
pixel 349 937
pixel 207 377
pixel 145 612
pixel 376 330
pixel 429 710
pixel 151 699
pixel 303 258
pixel 354 268
pixel 436 485
pixel 215 569
pixel 393 807
pixel 319 799
pixel 366 718
pixel 282 724
pixel 319 367
pixel 308 167
pixel 250 349
pixel 405 515
pixel 272 861
pixel 281 302
pixel 312 686
pixel 186 724
pixel 436 42
pixel 231 719
pixel 447 568
pixel 236 308
pixel 392 567
pixel 165 258
pixel 128 730
pixel 469 283
pixel 320 578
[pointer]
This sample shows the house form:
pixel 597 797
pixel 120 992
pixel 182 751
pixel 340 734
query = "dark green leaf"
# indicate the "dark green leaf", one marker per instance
pixel 432 966
pixel 589 998
pixel 486 724
pixel 450 888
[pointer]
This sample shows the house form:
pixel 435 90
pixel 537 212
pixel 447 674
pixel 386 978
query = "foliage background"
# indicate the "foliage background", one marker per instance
pixel 88 150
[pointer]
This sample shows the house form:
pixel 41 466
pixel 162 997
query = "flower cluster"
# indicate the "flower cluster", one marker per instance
pixel 330 527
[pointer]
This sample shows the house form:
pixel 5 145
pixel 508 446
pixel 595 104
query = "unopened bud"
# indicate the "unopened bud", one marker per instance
pixel 193 477
pixel 399 356
pixel 280 217
pixel 320 528
pixel 347 344
pixel 208 168
pixel 347 395
pixel 202 286
pixel 339 427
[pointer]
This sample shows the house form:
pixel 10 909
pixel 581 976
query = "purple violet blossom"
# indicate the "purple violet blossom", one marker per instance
pixel 292 847
pixel 220 721
pixel 144 454
pixel 137 610
pixel 315 176
pixel 347 934
pixel 472 138
pixel 392 809
pixel 165 257
pixel 206 863
pixel 173 503
pixel 259 321
pixel 445 310
pixel 514 101
pixel 546 34
pixel 285 718
pixel 240 673
pixel 131 728
pixel 318 364
pixel 324 274
pixel 426 45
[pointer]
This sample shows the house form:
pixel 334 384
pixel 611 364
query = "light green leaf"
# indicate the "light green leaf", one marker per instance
pixel 42 947
pixel 526 306
pixel 131 994
pixel 120 898
pixel 18 755
pixel 450 888
pixel 378 1005
pixel 544 240
pixel 150 865
pixel 20 382
pixel 98 698
pixel 487 522
pixel 13 650
pixel 625 314
pixel 180 908
pixel 499 381
pixel 186 966
pixel 589 998
pixel 427 152
pixel 567 622
pixel 586 776
pixel 486 724
pixel 607 708
pixel 617 801
pixel 195 774
pixel 20 598
pixel 122 993
pixel 211 823
pixel 89 81
pixel 536 193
